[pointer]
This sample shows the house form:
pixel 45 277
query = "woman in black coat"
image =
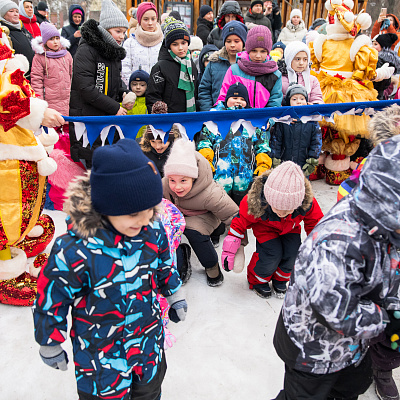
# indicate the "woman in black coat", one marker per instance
pixel 97 86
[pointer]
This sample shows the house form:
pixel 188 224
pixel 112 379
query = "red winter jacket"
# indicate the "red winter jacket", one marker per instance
pixel 254 213
pixel 31 25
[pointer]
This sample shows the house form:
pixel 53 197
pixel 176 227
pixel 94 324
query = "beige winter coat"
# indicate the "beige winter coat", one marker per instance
pixel 207 199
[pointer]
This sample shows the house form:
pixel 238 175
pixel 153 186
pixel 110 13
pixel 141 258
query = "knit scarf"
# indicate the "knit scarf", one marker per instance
pixel 16 26
pixel 253 68
pixel 186 79
pixel 148 39
pixel 55 54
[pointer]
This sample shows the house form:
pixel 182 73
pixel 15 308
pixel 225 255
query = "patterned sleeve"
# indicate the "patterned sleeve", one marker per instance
pixel 57 287
pixel 168 280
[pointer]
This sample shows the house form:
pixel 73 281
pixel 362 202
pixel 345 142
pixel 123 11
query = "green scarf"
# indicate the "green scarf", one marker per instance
pixel 186 79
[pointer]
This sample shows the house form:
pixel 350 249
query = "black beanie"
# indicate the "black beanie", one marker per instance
pixel 237 90
pixel 175 14
pixel 42 6
pixel 254 2
pixel 123 180
pixel 204 10
pixel 386 40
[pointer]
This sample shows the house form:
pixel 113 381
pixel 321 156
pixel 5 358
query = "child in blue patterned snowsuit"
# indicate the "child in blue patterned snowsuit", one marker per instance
pixel 242 154
pixel 108 269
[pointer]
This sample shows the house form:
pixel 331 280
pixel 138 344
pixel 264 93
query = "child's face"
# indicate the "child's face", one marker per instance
pixel 180 185
pixel 236 102
pixel 233 44
pixel 298 100
pixel 282 213
pixel 149 21
pixel 139 88
pixel 180 47
pixel 118 34
pixel 258 55
pixel 296 20
pixel 300 62
pixel 376 45
pixel 280 50
pixel 158 145
pixel 257 9
pixel 131 225
pixel 54 43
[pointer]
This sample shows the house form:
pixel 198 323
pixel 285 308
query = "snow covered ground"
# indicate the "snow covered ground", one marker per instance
pixel 223 350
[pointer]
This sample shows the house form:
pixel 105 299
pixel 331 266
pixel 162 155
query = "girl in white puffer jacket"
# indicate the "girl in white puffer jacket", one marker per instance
pixel 143 46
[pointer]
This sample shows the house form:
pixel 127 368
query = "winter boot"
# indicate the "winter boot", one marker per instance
pixel 279 289
pixel 263 290
pixel 385 386
pixel 185 271
pixel 214 276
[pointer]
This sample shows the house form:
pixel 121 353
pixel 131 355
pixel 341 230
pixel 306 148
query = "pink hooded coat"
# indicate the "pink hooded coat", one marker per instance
pixel 51 77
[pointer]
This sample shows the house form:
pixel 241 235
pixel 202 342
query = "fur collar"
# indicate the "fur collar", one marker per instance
pixel 38 46
pixel 220 54
pixel 93 37
pixel 85 220
pixel 257 204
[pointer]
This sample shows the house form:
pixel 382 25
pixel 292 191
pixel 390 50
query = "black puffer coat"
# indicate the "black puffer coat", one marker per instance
pixel 69 30
pixel 163 83
pixel 21 41
pixel 204 28
pixel 96 87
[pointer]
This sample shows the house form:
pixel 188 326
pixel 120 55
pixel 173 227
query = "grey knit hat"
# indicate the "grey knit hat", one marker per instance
pixel 5 6
pixel 294 88
pixel 111 16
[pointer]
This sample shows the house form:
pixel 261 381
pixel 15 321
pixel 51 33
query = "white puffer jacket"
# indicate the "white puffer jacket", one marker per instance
pixel 291 33
pixel 138 56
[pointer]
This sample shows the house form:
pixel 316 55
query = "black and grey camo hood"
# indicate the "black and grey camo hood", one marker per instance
pixel 377 195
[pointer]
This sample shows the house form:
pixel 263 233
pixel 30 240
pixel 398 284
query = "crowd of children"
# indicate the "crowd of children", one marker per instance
pixel 116 256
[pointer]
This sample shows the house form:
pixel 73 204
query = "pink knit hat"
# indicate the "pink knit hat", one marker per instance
pixel 182 160
pixel 284 188
pixel 259 36
pixel 142 8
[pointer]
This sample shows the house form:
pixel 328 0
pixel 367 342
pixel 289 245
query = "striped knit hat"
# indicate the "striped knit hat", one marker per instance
pixel 175 30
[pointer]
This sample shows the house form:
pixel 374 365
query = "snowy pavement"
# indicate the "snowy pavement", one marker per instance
pixel 223 350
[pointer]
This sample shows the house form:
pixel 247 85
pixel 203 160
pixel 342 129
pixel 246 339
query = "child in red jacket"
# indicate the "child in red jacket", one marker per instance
pixel 277 202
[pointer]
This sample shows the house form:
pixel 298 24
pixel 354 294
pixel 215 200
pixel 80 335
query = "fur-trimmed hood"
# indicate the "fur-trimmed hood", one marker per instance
pixel 220 54
pixel 93 37
pixel 85 220
pixel 145 141
pixel 385 124
pixel 257 204
pixel 38 45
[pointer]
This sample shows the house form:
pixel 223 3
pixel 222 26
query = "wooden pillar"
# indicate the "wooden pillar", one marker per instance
pixel 310 13
pixel 304 9
pixel 196 9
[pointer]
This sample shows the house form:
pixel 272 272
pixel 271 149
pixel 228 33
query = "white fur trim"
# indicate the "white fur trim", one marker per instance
pixel 37 44
pixel 337 165
pixel 46 166
pixel 49 149
pixel 348 16
pixel 348 3
pixel 359 42
pixel 35 118
pixel 13 268
pixel 364 20
pixel 19 61
pixel 318 43
pixel 328 5
pixel 36 231
pixel 27 153
pixel 48 139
